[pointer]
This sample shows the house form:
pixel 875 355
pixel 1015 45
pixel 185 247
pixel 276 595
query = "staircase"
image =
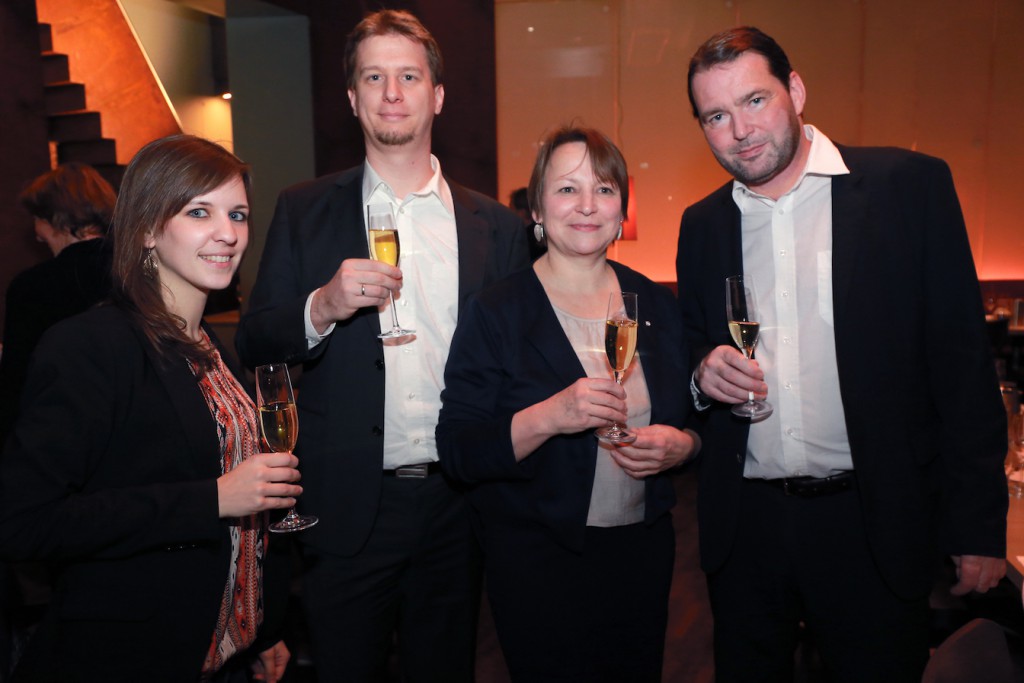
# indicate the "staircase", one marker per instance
pixel 75 133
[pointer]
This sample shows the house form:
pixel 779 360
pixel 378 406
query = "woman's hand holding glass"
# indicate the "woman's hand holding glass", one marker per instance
pixel 265 481
pixel 279 424
pixel 587 403
pixel 657 448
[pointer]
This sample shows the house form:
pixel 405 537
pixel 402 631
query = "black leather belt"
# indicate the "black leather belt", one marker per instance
pixel 811 487
pixel 421 471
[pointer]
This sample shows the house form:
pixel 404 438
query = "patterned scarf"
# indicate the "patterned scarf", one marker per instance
pixel 241 609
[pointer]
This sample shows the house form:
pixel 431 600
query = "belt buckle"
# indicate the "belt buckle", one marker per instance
pixel 412 472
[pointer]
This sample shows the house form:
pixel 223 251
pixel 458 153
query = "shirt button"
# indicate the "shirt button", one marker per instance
pixel 789 385
pixel 785 340
pixel 416 442
pixel 412 395
pixel 785 295
pixel 789 431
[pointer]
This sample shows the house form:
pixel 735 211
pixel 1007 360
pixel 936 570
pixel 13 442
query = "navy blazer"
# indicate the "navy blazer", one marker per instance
pixel 925 421
pixel 509 353
pixel 111 474
pixel 316 226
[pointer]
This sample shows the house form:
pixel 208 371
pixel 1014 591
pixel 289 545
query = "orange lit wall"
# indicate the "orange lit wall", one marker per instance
pixel 939 76
pixel 104 55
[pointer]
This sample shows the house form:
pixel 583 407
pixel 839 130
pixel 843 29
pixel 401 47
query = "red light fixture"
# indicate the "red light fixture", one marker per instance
pixel 629 225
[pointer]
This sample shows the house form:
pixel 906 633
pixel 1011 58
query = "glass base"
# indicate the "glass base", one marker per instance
pixel 293 522
pixel 755 411
pixel 395 333
pixel 615 434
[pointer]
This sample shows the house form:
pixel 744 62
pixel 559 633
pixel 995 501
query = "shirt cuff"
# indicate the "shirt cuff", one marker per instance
pixel 701 401
pixel 312 336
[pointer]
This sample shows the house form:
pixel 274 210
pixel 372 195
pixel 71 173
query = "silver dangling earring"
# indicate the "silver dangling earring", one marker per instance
pixel 149 266
pixel 538 233
pixel 619 235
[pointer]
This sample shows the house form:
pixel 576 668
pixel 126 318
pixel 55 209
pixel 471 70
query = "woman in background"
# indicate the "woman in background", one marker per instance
pixel 135 466
pixel 577 537
pixel 72 206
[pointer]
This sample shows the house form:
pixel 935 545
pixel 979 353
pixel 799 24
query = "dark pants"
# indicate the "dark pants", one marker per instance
pixel 599 616
pixel 807 559
pixel 417 581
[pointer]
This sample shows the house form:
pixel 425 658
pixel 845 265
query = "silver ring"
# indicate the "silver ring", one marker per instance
pixel 362 290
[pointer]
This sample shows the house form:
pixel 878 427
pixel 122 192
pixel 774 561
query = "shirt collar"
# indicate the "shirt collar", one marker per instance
pixel 376 190
pixel 824 160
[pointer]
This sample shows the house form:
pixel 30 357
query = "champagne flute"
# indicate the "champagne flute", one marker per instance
pixel 620 330
pixel 385 247
pixel 279 422
pixel 741 311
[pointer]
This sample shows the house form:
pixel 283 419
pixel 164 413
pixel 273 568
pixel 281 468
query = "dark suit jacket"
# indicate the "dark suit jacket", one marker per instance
pixel 926 425
pixel 76 279
pixel 111 474
pixel 509 353
pixel 316 226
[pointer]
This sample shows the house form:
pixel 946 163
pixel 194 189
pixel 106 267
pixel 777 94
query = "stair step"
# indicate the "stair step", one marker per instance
pixel 55 68
pixel 62 97
pixel 112 173
pixel 92 152
pixel 45 38
pixel 75 125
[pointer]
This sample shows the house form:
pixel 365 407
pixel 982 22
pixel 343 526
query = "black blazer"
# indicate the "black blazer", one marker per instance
pixel 925 421
pixel 73 281
pixel 509 353
pixel 111 475
pixel 316 226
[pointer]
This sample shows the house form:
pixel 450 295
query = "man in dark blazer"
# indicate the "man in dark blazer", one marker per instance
pixel 393 549
pixel 887 438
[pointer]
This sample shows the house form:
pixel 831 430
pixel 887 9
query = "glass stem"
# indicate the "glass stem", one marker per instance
pixel 394 313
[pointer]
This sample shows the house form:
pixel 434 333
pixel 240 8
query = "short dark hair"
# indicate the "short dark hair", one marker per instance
pixel 72 198
pixel 605 158
pixel 392 22
pixel 728 45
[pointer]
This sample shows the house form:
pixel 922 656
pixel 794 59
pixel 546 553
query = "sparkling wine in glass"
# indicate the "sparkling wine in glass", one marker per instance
pixel 386 248
pixel 741 312
pixel 620 330
pixel 279 423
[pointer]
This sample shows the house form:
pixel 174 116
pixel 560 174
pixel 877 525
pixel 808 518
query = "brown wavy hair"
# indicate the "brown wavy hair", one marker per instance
pixel 161 179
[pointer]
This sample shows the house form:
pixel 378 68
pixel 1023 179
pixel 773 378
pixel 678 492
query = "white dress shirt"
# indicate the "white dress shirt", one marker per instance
pixel 787 252
pixel 427 303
